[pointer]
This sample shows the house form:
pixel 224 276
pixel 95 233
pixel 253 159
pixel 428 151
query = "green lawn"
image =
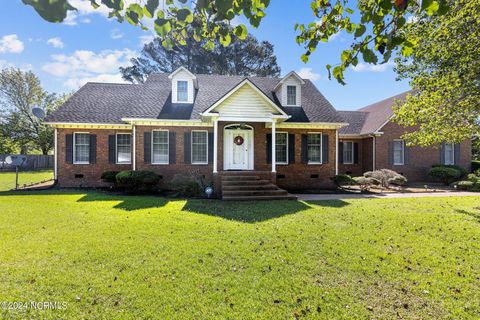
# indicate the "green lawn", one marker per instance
pixel 120 257
pixel 7 179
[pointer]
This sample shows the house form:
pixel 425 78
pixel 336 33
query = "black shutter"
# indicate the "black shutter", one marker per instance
pixel 210 147
pixel 93 149
pixel 355 152
pixel 406 153
pixel 456 153
pixel 269 148
pixel 291 148
pixel 442 153
pixel 69 148
pixel 304 148
pixel 340 152
pixel 325 148
pixel 147 147
pixel 187 147
pixel 390 153
pixel 172 147
pixel 111 148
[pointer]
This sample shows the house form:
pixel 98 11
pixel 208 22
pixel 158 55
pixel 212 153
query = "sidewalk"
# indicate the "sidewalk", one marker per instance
pixel 309 197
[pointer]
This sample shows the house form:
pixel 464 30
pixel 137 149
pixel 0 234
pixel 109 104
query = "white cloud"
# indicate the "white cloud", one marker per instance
pixel 85 7
pixel 146 39
pixel 71 19
pixel 55 42
pixel 308 73
pixel 367 67
pixel 11 44
pixel 116 34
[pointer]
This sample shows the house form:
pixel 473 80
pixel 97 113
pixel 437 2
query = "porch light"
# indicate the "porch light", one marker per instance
pixel 209 191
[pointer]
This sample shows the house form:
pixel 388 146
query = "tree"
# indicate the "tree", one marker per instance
pixel 375 25
pixel 445 73
pixel 247 58
pixel 20 91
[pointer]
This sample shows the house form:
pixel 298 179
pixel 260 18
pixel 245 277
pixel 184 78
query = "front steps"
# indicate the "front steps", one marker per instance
pixel 243 187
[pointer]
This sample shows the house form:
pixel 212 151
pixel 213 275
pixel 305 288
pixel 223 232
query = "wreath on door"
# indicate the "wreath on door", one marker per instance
pixel 238 140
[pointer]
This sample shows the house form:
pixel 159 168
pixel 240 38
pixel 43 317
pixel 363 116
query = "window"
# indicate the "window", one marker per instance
pixel 81 145
pixel 291 95
pixel 314 142
pixel 398 152
pixel 199 147
pixel 348 152
pixel 182 91
pixel 124 148
pixel 160 147
pixel 281 148
pixel 449 153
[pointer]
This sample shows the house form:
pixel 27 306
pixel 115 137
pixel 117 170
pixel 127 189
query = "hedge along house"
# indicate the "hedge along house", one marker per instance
pixel 373 141
pixel 217 127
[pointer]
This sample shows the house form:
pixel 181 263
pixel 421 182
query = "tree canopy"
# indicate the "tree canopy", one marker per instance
pixel 247 57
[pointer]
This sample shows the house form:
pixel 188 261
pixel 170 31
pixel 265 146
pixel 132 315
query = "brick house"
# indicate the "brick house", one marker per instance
pixel 221 127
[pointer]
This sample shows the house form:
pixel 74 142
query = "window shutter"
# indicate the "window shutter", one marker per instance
pixel 442 153
pixel 147 147
pixel 69 148
pixel 355 152
pixel 390 153
pixel 210 147
pixel 269 148
pixel 172 147
pixel 340 152
pixel 93 149
pixel 111 148
pixel 187 147
pixel 325 148
pixel 291 148
pixel 406 154
pixel 304 148
pixel 457 153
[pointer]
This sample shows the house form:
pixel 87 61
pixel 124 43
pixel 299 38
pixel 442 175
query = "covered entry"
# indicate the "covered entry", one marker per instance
pixel 238 144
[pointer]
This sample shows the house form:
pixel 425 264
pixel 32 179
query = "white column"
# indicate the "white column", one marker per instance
pixel 374 152
pixel 215 145
pixel 336 152
pixel 55 156
pixel 134 146
pixel 274 160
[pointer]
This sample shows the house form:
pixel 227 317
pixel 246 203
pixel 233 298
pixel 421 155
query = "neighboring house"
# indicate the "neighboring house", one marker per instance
pixel 372 141
pixel 221 127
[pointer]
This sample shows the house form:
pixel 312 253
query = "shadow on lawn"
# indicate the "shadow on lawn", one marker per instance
pixel 475 215
pixel 128 203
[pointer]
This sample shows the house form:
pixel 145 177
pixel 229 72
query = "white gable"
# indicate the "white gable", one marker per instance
pixel 182 74
pixel 291 79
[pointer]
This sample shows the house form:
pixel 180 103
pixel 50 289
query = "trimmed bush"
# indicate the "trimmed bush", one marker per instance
pixel 384 176
pixel 398 180
pixel 461 170
pixel 190 184
pixel 109 176
pixel 445 174
pixel 138 181
pixel 464 185
pixel 343 180
pixel 365 183
pixel 475 165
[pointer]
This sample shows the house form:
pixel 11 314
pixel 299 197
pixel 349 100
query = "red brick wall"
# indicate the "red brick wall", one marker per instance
pixel 354 169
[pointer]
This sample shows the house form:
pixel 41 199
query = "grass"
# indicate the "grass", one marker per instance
pixel 7 179
pixel 120 257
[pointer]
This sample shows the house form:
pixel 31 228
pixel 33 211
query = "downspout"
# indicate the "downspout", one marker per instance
pixel 336 152
pixel 55 155
pixel 134 144
pixel 374 152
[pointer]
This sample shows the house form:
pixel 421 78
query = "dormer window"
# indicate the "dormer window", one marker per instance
pixel 292 95
pixel 182 91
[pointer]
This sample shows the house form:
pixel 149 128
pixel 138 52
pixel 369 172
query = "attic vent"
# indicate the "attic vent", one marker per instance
pixel 78 176
pixel 314 176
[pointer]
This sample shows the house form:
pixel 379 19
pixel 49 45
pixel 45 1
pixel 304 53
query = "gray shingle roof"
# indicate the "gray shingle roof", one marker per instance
pixel 355 119
pixel 109 103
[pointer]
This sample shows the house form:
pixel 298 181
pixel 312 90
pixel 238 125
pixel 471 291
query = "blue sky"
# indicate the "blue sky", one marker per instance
pixel 89 47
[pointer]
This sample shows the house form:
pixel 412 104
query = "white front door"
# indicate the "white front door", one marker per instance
pixel 238 149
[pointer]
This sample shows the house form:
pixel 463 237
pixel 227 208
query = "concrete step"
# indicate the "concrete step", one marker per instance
pixel 244 183
pixel 250 198
pixel 240 177
pixel 278 192
pixel 251 187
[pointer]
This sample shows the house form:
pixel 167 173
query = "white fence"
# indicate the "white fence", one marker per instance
pixel 34 162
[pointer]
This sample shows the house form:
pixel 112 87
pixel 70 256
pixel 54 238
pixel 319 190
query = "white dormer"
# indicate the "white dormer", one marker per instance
pixel 289 90
pixel 183 85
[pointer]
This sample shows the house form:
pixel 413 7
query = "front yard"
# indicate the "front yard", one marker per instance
pixel 120 257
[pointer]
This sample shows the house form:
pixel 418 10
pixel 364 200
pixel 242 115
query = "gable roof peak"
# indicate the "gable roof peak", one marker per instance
pixel 182 68
pixel 290 74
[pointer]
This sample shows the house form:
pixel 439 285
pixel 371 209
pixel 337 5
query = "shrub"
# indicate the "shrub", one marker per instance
pixel 476 165
pixel 138 181
pixel 190 184
pixel 109 176
pixel 473 177
pixel 445 174
pixel 365 183
pixel 461 170
pixel 384 176
pixel 464 185
pixel 343 180
pixel 398 180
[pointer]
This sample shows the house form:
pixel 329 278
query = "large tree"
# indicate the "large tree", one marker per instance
pixel 247 58
pixel 445 76
pixel 20 91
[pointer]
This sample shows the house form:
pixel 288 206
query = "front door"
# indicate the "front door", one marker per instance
pixel 238 149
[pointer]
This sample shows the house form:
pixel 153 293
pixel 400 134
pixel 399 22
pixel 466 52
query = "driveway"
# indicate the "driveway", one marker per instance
pixel 308 197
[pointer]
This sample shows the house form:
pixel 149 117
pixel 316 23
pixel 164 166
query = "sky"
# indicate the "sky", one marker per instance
pixel 89 47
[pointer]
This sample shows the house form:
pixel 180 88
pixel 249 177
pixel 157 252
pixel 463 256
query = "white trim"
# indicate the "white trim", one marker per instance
pixel 374 143
pixel 321 149
pixel 336 152
pixel 168 147
pixel 177 91
pixel 215 147
pixel 74 145
pixel 134 147
pixel 168 122
pixel 274 148
pixel 403 153
pixel 247 119
pixel 353 152
pixel 116 147
pixel 282 132
pixel 191 147
pixel 453 154
pixel 83 125
pixel 241 84
pixel 251 148
pixel 309 125
pixel 291 73
pixel 296 96
pixel 182 68
pixel 55 155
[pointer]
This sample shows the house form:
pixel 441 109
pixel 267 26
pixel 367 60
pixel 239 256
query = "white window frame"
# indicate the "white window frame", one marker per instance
pixel 403 152
pixel 116 147
pixel 445 154
pixel 321 149
pixel 353 152
pixel 296 94
pixel 168 147
pixel 281 162
pixel 178 91
pixel 75 146
pixel 191 147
